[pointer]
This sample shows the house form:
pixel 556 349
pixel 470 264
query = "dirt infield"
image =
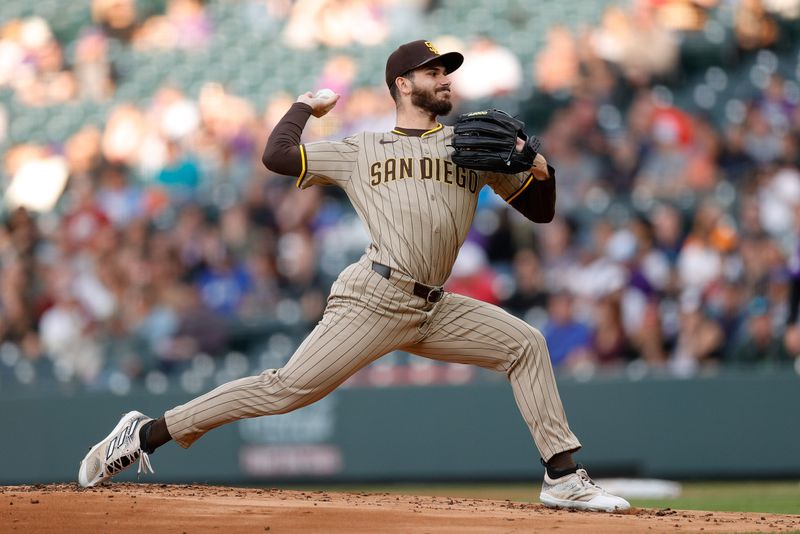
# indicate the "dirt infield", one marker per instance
pixel 161 508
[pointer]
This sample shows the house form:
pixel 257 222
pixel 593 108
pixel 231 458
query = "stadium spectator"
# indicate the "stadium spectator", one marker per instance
pixel 682 15
pixel 94 71
pixel 568 339
pixel 699 343
pixel 84 221
pixel 117 18
pixel 610 345
pixel 700 260
pixel 198 329
pixel 184 25
pixel 16 302
pixel 472 275
pixel 529 293
pixel 222 281
pixel 180 174
pixel 264 292
pixel 557 66
pixel 121 201
pixel 759 343
pixel 761 142
pixel 575 144
pixel 67 331
pixel 336 23
pixel 753 26
pixel 489 70
pixel 619 40
pixel 50 81
pixel 726 306
pixel 123 138
pixel 668 232
pixel 734 160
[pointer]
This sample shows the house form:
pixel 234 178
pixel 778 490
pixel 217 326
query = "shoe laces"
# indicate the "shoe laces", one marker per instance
pixel 585 479
pixel 125 460
pixel 144 464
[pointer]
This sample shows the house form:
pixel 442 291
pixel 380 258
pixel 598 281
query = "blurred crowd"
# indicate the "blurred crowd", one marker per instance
pixel 676 245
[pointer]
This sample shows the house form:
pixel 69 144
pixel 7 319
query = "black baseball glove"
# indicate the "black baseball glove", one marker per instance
pixel 487 140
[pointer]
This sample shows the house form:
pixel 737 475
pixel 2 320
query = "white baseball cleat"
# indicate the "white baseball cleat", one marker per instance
pixel 116 452
pixel 579 492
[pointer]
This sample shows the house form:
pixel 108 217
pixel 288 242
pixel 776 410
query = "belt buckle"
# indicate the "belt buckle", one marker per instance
pixel 435 295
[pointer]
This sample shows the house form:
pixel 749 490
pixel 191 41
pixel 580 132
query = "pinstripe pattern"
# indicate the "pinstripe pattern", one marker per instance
pixel 418 207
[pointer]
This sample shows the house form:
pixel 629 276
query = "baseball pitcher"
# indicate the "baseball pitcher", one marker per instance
pixel 416 189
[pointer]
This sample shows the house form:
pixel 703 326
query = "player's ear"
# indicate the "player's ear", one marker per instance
pixel 403 85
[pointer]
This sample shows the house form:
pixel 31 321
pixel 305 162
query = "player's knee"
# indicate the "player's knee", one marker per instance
pixel 282 393
pixel 533 343
pixel 537 336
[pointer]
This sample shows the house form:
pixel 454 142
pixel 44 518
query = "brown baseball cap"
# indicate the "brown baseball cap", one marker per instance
pixel 415 54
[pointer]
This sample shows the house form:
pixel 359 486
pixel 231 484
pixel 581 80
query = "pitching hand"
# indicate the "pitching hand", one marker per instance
pixel 319 105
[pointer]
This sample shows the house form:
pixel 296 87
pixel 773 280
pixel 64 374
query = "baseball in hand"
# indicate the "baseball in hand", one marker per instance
pixel 325 94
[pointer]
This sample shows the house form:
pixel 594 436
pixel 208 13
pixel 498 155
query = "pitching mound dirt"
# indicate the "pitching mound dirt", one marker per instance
pixel 161 508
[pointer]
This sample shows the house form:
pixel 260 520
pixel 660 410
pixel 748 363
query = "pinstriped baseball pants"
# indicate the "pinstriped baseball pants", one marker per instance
pixel 368 316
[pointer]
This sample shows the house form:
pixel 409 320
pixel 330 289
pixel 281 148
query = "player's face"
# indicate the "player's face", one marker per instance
pixel 430 90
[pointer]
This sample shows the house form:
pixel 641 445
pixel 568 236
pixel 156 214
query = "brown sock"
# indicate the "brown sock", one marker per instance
pixel 561 461
pixel 153 435
pixel 560 465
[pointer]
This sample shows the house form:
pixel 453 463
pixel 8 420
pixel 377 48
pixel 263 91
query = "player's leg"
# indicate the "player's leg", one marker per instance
pixel 366 317
pixel 464 330
pixel 349 337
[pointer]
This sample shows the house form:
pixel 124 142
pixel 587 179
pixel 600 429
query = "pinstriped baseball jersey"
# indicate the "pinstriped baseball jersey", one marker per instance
pixel 416 203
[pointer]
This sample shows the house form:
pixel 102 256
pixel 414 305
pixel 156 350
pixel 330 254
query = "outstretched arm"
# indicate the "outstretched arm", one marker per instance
pixel 282 153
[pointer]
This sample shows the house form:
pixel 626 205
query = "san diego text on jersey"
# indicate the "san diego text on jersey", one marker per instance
pixel 441 170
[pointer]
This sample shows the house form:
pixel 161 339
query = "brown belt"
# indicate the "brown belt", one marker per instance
pixel 429 293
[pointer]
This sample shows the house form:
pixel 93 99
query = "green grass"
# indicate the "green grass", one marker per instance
pixel 765 497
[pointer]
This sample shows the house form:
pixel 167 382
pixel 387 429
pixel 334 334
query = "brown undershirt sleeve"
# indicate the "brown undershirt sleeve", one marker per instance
pixel 282 153
pixel 537 201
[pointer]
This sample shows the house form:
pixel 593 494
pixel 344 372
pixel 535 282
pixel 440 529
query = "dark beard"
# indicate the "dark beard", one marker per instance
pixel 428 102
